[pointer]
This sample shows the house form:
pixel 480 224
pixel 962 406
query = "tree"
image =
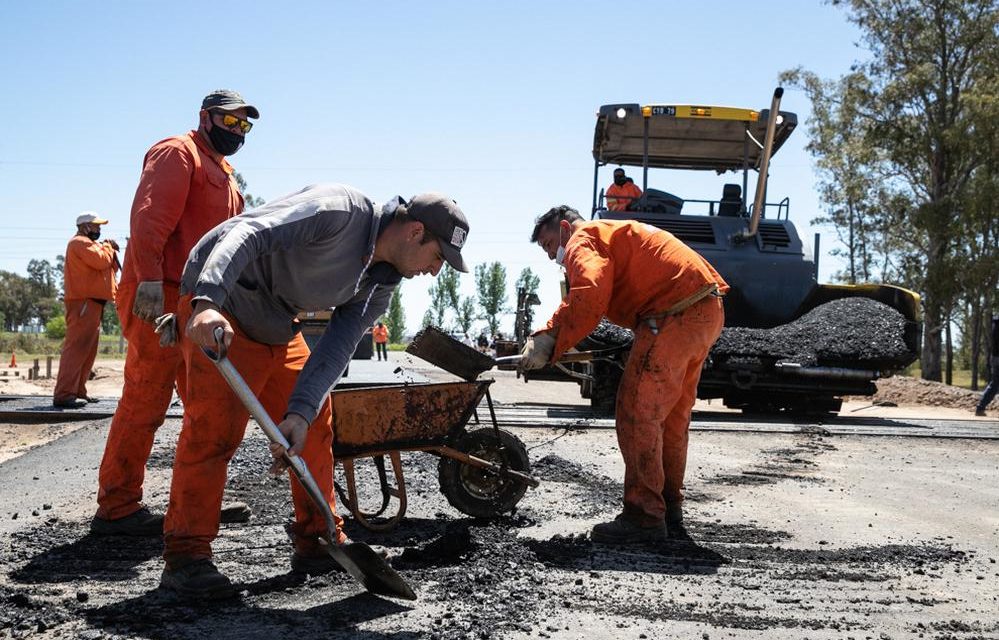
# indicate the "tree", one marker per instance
pixel 465 315
pixel 490 283
pixel 250 201
pixel 443 297
pixel 16 300
pixel 932 62
pixel 42 280
pixel 396 317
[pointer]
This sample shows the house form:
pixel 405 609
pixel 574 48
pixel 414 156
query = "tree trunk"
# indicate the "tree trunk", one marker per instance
pixel 976 339
pixel 949 369
pixel 930 359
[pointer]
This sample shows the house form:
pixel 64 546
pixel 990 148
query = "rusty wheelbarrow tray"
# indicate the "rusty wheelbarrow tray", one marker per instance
pixel 482 472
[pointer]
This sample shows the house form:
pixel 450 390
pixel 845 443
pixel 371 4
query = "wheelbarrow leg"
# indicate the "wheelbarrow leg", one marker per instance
pixel 398 492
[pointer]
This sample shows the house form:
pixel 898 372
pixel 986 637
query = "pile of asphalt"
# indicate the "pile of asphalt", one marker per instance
pixel 851 332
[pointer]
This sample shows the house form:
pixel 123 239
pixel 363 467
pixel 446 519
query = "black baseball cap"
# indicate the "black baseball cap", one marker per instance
pixel 228 100
pixel 442 217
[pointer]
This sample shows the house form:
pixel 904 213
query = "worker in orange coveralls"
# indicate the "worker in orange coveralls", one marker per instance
pixel 381 335
pixel 186 188
pixel 89 282
pixel 623 193
pixel 326 246
pixel 645 279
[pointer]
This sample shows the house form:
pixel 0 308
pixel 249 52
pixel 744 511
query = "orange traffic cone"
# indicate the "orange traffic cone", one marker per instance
pixel 13 360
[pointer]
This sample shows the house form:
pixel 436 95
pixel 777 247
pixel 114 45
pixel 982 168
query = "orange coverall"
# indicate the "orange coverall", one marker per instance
pixel 88 282
pixel 271 371
pixel 185 190
pixel 619 198
pixel 628 271
pixel 380 334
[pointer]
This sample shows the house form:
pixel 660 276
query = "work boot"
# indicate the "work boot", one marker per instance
pixel 235 512
pixel 69 403
pixel 318 562
pixel 979 412
pixel 674 522
pixel 142 523
pixel 90 399
pixel 623 531
pixel 199 580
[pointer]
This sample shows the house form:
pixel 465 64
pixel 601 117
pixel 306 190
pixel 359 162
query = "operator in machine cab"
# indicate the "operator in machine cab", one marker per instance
pixel 623 193
pixel 645 279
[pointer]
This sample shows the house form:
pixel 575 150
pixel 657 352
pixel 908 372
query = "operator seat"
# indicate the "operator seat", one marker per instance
pixel 731 200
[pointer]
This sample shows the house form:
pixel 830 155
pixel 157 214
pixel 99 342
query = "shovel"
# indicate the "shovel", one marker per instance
pixel 440 349
pixel 357 558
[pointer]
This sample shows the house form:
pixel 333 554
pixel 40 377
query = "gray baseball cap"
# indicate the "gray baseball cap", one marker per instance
pixel 228 100
pixel 442 217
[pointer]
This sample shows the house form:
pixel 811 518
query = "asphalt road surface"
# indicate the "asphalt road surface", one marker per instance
pixel 851 528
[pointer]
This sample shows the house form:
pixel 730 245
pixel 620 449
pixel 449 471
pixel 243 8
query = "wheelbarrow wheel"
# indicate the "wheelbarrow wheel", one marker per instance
pixel 481 493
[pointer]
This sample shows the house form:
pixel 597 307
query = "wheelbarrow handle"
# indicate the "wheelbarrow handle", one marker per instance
pixel 571 356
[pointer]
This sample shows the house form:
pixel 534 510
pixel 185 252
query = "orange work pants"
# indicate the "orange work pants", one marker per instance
pixel 79 347
pixel 150 373
pixel 214 425
pixel 654 402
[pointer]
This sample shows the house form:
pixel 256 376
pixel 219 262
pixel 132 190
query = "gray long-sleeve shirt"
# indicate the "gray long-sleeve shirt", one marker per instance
pixel 307 251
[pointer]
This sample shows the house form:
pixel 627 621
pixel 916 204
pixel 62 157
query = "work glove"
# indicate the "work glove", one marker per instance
pixel 166 329
pixel 148 303
pixel 537 352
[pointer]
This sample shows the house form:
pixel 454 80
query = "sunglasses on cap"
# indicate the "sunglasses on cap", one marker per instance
pixel 229 120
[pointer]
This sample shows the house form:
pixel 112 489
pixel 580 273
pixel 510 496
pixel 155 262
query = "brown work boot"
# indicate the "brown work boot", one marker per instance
pixel 235 512
pixel 198 579
pixel 980 412
pixel 621 530
pixel 142 523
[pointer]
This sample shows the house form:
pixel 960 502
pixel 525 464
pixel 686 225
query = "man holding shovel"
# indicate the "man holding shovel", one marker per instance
pixel 645 279
pixel 324 246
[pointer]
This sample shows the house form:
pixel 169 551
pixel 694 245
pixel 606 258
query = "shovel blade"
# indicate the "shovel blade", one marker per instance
pixel 371 570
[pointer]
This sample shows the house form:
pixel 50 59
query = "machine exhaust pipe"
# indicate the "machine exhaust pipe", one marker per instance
pixel 761 183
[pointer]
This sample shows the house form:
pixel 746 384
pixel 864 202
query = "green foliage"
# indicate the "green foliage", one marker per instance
pixel 395 319
pixel 56 328
pixel 444 297
pixel 250 201
pixel 110 325
pixel 16 300
pixel 490 283
pixel 27 344
pixel 528 281
pixel 466 315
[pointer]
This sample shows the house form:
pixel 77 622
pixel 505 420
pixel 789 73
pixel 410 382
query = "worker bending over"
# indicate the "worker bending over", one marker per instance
pixel 324 246
pixel 645 279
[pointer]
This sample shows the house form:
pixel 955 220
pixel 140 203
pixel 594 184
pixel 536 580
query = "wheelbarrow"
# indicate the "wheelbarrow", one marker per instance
pixel 482 472
pixel 357 558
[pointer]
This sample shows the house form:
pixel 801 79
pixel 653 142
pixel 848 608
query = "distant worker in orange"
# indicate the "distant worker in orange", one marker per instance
pixel 623 193
pixel 89 282
pixel 381 335
pixel 186 188
pixel 645 279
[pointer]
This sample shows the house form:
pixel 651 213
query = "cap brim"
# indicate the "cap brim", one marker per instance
pixel 251 111
pixel 453 257
pixel 99 221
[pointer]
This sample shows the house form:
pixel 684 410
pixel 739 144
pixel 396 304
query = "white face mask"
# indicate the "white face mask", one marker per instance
pixel 560 252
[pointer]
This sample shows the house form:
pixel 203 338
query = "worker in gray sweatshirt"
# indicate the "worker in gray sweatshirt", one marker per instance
pixel 324 246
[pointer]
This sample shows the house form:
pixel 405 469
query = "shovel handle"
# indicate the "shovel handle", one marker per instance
pixel 256 409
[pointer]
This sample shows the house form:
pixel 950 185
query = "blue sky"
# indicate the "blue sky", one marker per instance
pixel 492 103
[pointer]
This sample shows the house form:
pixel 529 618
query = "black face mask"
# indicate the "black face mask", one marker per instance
pixel 225 142
pixel 94 235
pixel 620 180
